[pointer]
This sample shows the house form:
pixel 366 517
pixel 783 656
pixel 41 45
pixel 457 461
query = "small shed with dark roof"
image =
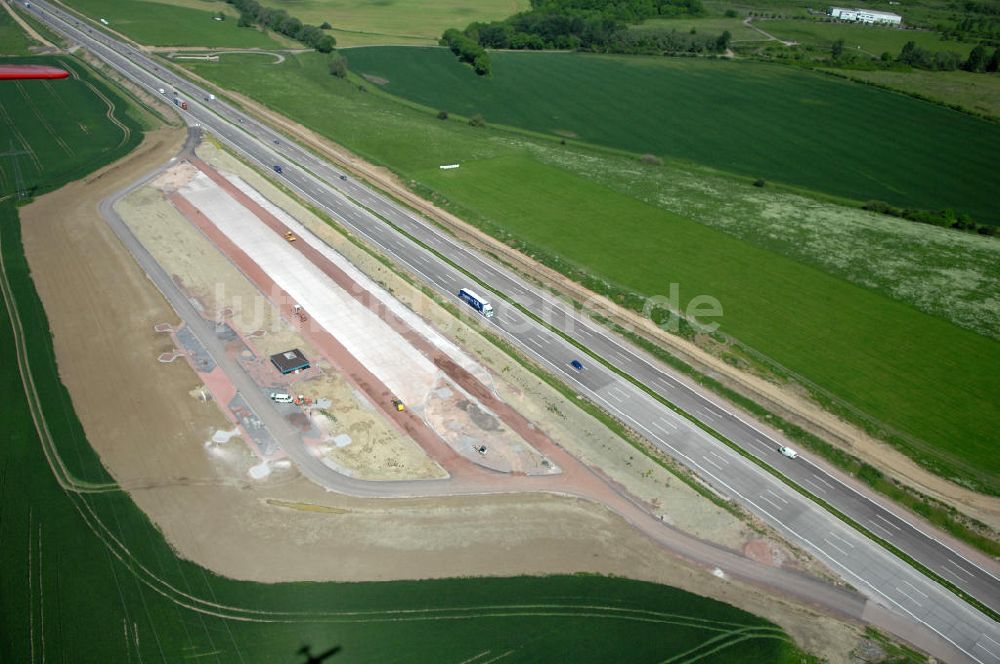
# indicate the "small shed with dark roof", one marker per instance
pixel 289 361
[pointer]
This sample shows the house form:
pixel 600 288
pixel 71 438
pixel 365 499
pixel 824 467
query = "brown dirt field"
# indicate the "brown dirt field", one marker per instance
pixel 134 409
pixel 788 401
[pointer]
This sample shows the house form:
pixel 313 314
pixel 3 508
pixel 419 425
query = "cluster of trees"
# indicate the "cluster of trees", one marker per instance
pixel 979 60
pixel 467 50
pixel 253 13
pixel 664 42
pixel 338 65
pixel 945 218
pixel 626 11
pixel 589 25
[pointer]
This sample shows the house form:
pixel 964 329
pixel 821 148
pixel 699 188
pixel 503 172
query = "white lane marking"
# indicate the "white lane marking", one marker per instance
pixel 819 478
pixel 535 342
pixel 908 596
pixel 759 445
pixel 617 398
pixel 709 414
pixel 621 356
pixel 881 527
pixel 918 591
pixel 776 505
pixel 666 381
pixel 815 486
pixel 618 392
pixel 664 426
pixel 768 491
pixel 841 539
pixel 836 547
pixel 959 567
pixel 891 524
pixel 987 649
pixel 710 462
pixel 716 455
pixel 946 570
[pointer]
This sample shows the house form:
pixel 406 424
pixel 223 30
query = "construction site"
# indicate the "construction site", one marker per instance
pixel 372 390
pixel 395 432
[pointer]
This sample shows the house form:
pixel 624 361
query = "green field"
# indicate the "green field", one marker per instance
pixel 974 92
pixel 759 120
pixel 915 372
pixel 869 39
pixel 87 578
pixel 357 22
pixel 70 117
pixel 175 23
pixel 708 25
pixel 13 40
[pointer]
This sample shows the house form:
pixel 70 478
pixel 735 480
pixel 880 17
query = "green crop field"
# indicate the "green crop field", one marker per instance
pixel 358 22
pixel 13 40
pixel 977 93
pixel 175 23
pixel 62 127
pixel 915 372
pixel 869 39
pixel 769 121
pixel 87 577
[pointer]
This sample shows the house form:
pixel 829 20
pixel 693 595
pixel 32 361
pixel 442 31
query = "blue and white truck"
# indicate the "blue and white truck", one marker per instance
pixel 476 302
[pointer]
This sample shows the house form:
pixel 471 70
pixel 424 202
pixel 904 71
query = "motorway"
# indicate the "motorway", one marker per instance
pixel 864 564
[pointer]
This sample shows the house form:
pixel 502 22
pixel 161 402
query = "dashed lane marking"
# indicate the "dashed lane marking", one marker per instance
pixel 719 457
pixel 774 495
pixel 908 596
pixel 664 426
pixel 891 524
pixel 815 486
pixel 710 462
pixel 836 547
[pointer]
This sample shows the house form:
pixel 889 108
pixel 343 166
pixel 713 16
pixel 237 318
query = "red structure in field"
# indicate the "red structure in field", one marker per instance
pixel 10 72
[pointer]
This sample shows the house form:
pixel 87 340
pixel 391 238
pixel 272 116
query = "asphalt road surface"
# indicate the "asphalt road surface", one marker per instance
pixel 863 563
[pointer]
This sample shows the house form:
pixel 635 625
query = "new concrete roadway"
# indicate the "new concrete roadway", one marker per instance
pixel 433 256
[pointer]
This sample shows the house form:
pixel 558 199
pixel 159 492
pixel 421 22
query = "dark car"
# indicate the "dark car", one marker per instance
pixel 576 364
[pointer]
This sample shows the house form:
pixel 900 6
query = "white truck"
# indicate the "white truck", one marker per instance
pixel 476 302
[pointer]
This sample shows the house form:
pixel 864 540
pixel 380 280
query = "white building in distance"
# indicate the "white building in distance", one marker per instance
pixel 865 16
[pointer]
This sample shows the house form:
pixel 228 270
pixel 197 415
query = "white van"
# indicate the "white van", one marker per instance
pixel 788 452
pixel 280 397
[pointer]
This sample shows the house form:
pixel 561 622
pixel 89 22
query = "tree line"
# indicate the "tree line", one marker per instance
pixel 979 59
pixel 587 25
pixel 467 50
pixel 252 13
pixel 945 218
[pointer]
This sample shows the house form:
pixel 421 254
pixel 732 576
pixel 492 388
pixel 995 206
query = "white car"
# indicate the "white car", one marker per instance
pixel 788 452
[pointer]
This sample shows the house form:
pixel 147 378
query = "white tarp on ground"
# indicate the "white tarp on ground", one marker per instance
pixel 368 338
pixel 400 310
